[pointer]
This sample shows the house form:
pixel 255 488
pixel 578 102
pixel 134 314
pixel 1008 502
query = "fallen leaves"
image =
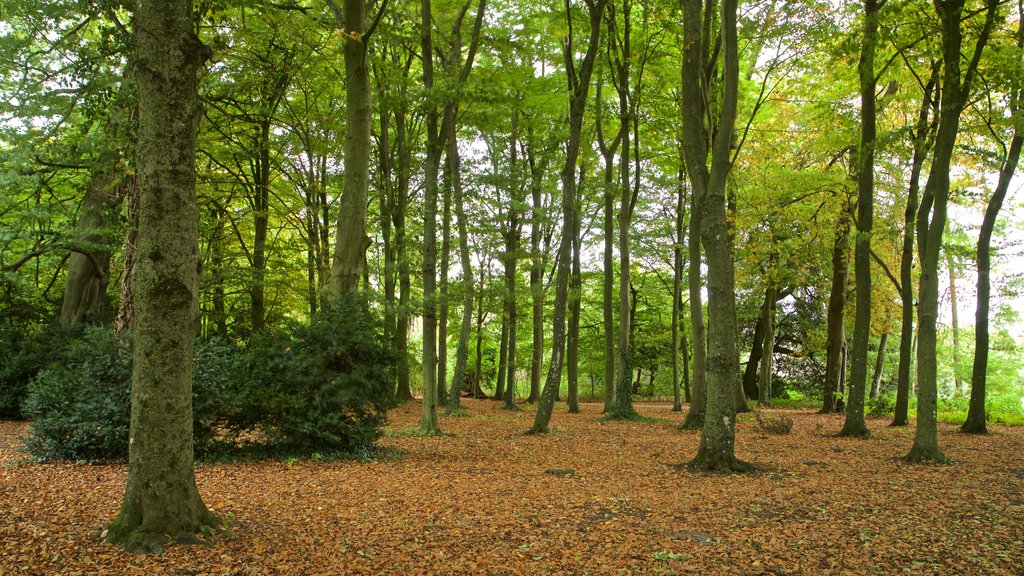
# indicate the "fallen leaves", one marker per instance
pixel 593 497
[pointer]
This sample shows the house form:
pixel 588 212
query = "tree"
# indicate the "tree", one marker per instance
pixel 161 499
pixel 975 422
pixel 718 436
pixel 931 219
pixel 854 424
pixel 351 241
pixel 451 111
pixel 579 85
pixel 922 137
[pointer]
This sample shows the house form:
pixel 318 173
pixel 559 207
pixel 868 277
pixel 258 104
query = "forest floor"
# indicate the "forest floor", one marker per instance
pixel 486 499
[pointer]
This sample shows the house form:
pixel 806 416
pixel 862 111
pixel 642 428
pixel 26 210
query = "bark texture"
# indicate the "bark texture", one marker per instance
pixel 161 499
pixel 351 241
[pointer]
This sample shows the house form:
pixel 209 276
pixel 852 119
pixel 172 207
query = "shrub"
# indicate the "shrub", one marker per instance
pixel 881 406
pixel 317 389
pixel 23 353
pixel 215 385
pixel 79 403
pixel 322 388
pixel 773 423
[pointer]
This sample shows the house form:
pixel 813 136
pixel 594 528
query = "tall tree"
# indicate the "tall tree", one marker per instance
pixel 578 78
pixel 161 499
pixel 854 424
pixel 608 150
pixel 921 136
pixel 351 240
pixel 931 219
pixel 428 420
pixel 836 330
pixel 450 127
pixel 975 422
pixel 718 436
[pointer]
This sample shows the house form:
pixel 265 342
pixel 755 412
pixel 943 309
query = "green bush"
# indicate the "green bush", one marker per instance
pixel 79 403
pixel 23 353
pixel 882 406
pixel 215 385
pixel 320 388
pixel 313 389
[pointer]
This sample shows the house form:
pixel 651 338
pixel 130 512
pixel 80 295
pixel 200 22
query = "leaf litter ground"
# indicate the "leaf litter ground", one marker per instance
pixel 592 497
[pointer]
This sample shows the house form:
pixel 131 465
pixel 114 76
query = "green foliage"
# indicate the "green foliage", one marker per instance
pixel 80 403
pixel 319 388
pixel 24 351
pixel 315 389
pixel 882 406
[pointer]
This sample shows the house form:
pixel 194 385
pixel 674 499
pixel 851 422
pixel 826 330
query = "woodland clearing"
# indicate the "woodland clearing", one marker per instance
pixel 592 497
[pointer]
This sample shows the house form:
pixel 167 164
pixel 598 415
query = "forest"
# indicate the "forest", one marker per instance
pixel 588 245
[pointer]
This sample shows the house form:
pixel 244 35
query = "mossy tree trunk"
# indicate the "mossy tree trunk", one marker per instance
pixel 351 240
pixel 161 499
pixel 85 288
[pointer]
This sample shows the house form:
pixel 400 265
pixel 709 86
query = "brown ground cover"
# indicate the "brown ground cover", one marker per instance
pixel 593 497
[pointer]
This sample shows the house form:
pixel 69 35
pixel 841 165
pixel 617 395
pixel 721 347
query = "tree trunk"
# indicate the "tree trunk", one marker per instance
pixel 677 293
pixel 958 388
pixel 578 88
pixel 835 325
pixel 85 288
pixel 478 364
pixel 876 378
pixel 401 335
pixel 975 422
pixel 718 437
pixel 764 385
pixel 608 272
pixel 695 416
pixel 442 278
pixel 125 321
pixel 161 500
pixel 686 358
pixel 468 296
pixel 623 394
pixel 511 262
pixel 502 358
pixel 351 240
pixel 854 424
pixel 921 139
pixel 575 293
pixel 931 220
pixel 536 276
pixel 428 418
pixel 385 200
pixel 750 371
